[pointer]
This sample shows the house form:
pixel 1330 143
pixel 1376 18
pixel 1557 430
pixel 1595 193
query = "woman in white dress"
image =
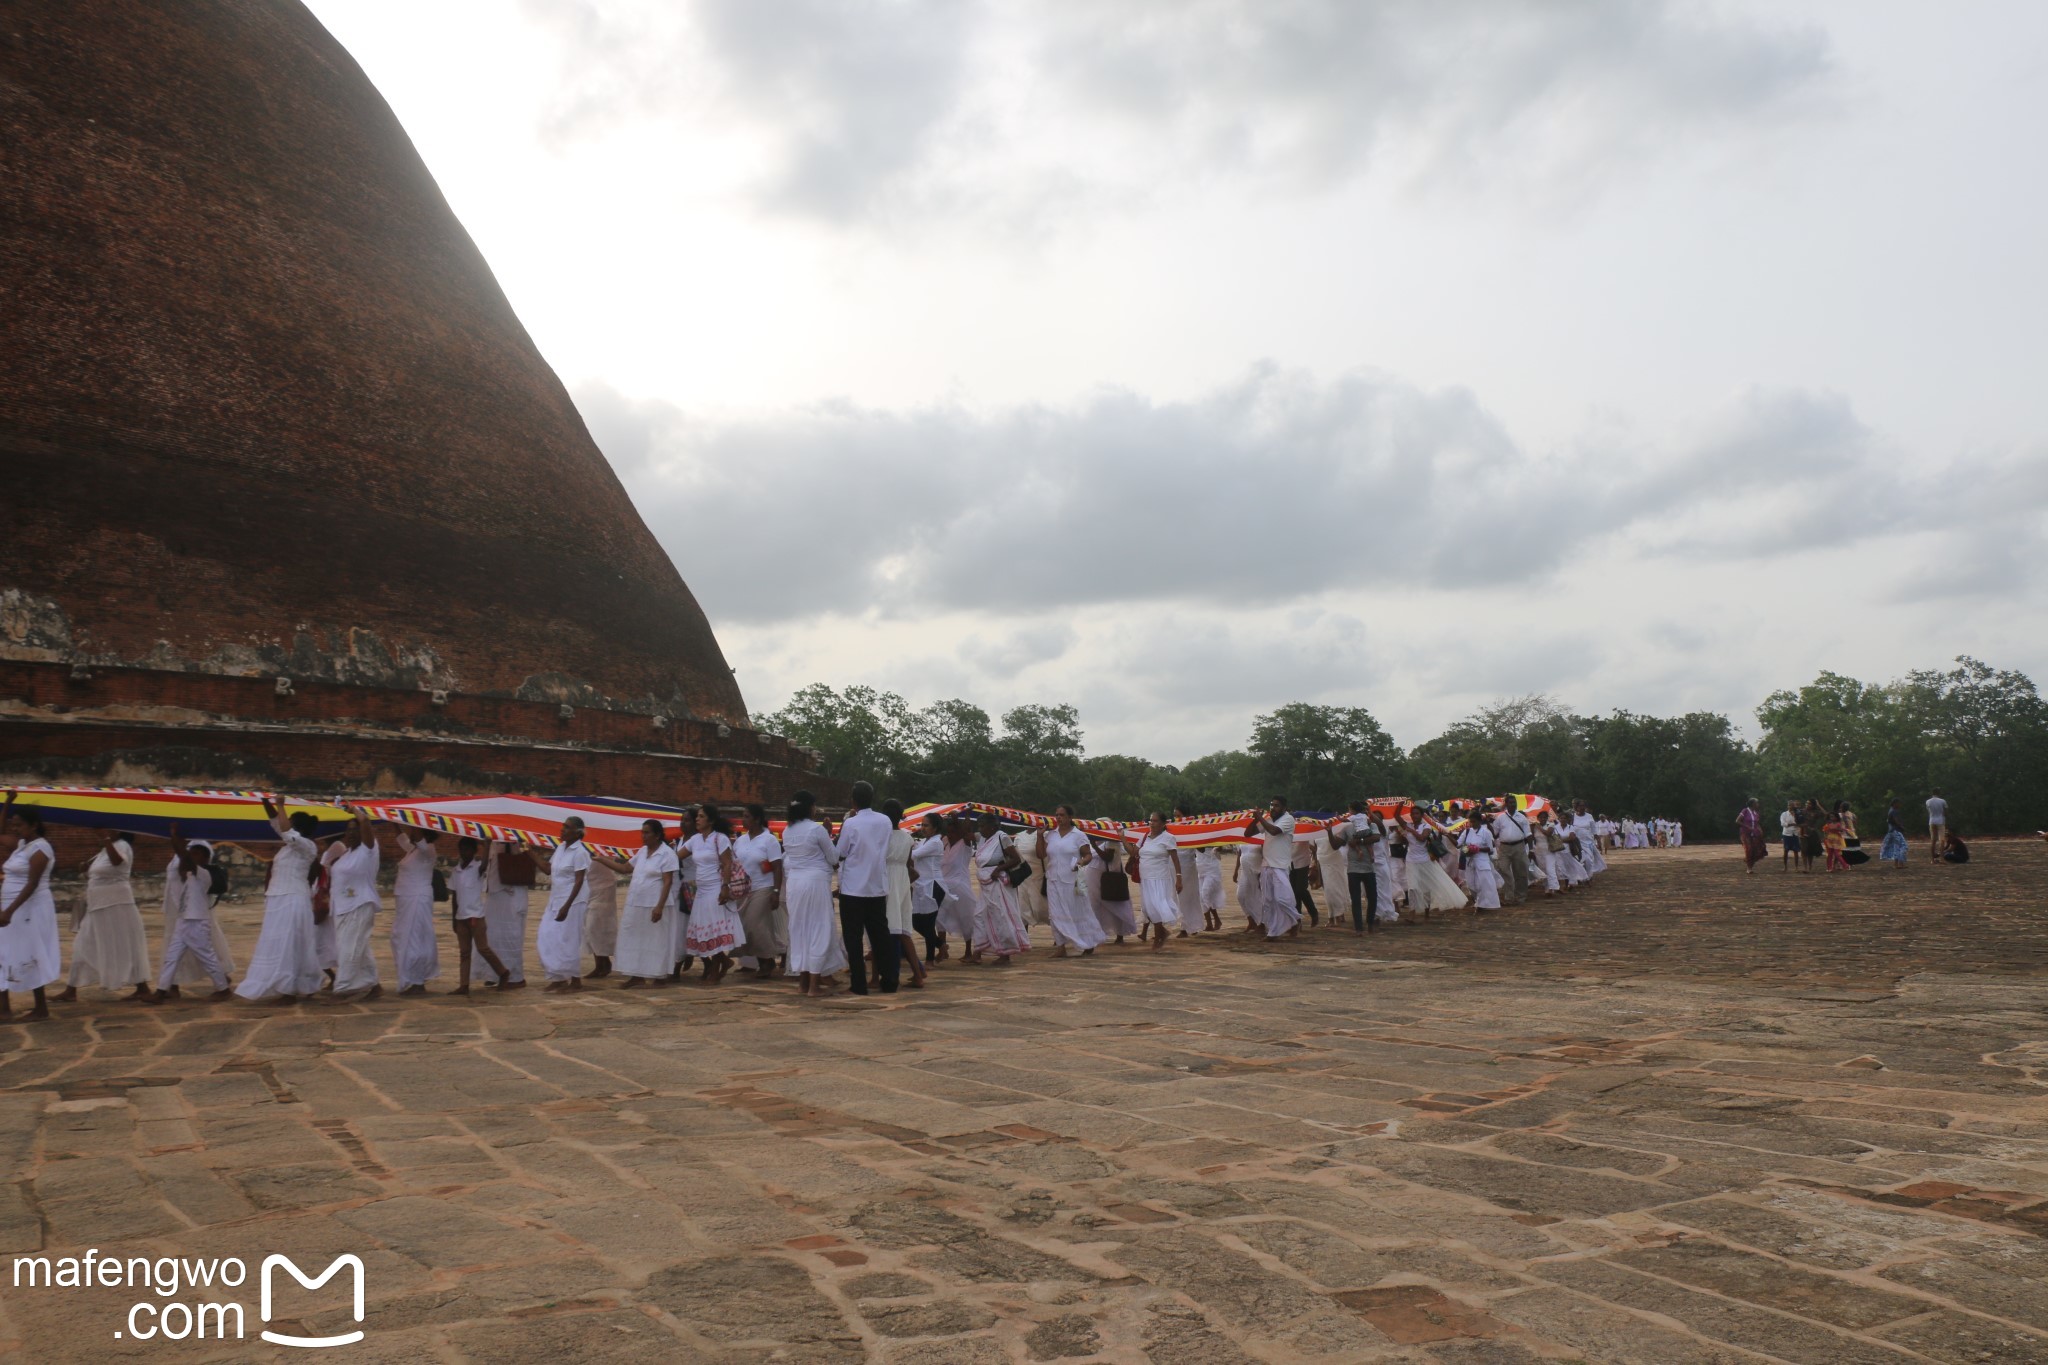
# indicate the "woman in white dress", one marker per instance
pixel 466 897
pixel 1209 880
pixel 353 894
pixel 1429 886
pixel 508 895
pixel 1066 852
pixel 415 947
pixel 1191 919
pixel 1117 916
pixel 286 964
pixel 646 948
pixel 761 915
pixel 956 908
pixel 1251 877
pixel 1475 845
pixel 926 855
pixel 816 948
pixel 715 931
pixel 1335 868
pixel 896 860
pixel 31 954
pixel 1001 922
pixel 1159 878
pixel 1031 899
pixel 110 949
pixel 560 940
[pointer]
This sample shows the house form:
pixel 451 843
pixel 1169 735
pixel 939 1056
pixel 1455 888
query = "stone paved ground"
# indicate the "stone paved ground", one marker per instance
pixel 1690 1117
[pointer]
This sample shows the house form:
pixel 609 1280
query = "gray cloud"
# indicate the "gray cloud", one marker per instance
pixel 999 108
pixel 1276 488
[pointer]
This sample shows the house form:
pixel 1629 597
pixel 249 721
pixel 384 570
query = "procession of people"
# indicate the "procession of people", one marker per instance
pixel 960 888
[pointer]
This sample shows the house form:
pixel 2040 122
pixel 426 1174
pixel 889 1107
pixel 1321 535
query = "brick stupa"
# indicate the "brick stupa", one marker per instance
pixel 291 497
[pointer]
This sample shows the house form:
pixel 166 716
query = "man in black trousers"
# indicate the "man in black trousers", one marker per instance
pixel 864 890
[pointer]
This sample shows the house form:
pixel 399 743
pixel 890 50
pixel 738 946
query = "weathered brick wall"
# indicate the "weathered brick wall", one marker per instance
pixel 266 409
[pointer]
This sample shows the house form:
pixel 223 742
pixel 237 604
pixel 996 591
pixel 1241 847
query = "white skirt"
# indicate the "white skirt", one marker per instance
pixel 1277 892
pixel 560 942
pixel 1431 888
pixel 814 943
pixel 356 959
pixel 31 953
pixel 1001 925
pixel 1191 918
pixel 1211 879
pixel 505 927
pixel 714 925
pixel 1250 898
pixel 111 946
pixel 1485 883
pixel 648 947
pixel 1073 922
pixel 1162 902
pixel 956 913
pixel 287 961
pixel 899 899
pixel 414 946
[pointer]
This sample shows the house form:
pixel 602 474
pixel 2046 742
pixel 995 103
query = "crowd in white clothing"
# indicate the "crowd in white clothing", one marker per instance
pixel 949 890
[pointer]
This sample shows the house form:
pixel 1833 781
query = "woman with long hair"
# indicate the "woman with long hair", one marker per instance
pixel 715 931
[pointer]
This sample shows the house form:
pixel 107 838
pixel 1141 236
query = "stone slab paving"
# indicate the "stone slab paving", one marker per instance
pixel 1684 1117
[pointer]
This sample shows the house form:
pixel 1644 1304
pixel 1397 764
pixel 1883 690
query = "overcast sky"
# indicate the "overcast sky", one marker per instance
pixel 1183 358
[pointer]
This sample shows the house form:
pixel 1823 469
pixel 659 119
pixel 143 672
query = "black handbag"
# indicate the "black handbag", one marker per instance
pixel 1018 875
pixel 1116 886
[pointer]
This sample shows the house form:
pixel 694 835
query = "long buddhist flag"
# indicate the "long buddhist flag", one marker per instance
pixel 609 823
pixel 223 816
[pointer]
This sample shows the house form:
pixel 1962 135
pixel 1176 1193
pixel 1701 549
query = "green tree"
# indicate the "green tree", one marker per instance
pixel 861 732
pixel 1321 757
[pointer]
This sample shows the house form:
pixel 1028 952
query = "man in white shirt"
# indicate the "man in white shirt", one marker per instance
pixel 1788 831
pixel 1276 827
pixel 1937 823
pixel 1511 834
pixel 864 890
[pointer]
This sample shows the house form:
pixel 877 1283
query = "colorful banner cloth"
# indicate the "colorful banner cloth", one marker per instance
pixel 221 816
pixel 609 823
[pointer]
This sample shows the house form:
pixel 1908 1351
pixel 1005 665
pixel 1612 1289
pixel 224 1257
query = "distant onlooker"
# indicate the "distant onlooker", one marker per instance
pixel 1788 830
pixel 1954 850
pixel 1893 849
pixel 1937 823
pixel 1811 818
pixel 1749 824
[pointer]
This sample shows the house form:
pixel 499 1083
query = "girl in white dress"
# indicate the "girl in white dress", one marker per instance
pixel 1159 879
pixel 816 949
pixel 1001 922
pixel 715 931
pixel 1476 844
pixel 414 945
pixel 466 898
pixel 956 910
pixel 896 859
pixel 926 855
pixel 286 963
pixel 1209 877
pixel 648 938
pixel 560 940
pixel 1065 851
pixel 110 949
pixel 31 954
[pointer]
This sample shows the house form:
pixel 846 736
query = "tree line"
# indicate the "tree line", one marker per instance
pixel 1976 733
